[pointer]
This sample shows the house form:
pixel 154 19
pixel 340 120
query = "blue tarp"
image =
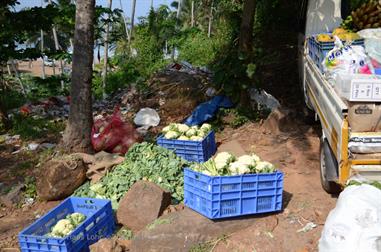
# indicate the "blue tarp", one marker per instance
pixel 207 110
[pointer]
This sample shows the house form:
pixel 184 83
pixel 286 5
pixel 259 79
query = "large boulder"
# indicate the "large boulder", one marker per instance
pixel 108 245
pixel 182 230
pixel 143 203
pixel 59 178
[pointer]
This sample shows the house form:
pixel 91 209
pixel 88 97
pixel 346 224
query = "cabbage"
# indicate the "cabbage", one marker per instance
pixel 171 135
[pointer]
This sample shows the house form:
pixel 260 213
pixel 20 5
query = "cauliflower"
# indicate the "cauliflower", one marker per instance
pixel 206 127
pixel 76 218
pixel 191 132
pixel 256 158
pixel 247 160
pixel 182 127
pixel 62 228
pixel 264 167
pixel 201 133
pixel 238 168
pixel 196 138
pixel 223 159
pixel 184 138
pixel 170 127
pixel 195 127
pixel 171 135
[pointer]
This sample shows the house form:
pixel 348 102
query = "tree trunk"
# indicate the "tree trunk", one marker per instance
pixel 210 20
pixel 247 25
pixel 105 57
pixel 124 21
pixel 192 14
pixel 77 136
pixel 178 9
pixel 42 52
pixel 246 40
pixel 133 5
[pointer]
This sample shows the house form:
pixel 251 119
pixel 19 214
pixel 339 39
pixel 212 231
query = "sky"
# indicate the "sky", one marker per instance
pixel 142 6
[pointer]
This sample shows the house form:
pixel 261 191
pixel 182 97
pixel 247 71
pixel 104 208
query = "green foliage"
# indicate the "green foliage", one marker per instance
pixel 33 128
pixel 125 233
pixel 30 190
pixel 143 161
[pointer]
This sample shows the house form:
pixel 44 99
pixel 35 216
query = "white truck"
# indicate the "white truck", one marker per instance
pixel 338 163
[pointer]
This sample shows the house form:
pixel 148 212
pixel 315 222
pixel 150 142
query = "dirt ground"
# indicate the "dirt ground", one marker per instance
pixel 295 152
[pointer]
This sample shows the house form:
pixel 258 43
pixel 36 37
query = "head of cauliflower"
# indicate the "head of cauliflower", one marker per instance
pixel 206 127
pixel 264 167
pixel 237 168
pixel 184 138
pixel 196 138
pixel 247 160
pixel 223 159
pixel 182 128
pixel 171 135
pixel 62 228
pixel 191 132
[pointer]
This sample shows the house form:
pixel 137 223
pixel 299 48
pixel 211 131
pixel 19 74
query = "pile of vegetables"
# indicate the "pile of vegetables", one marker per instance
pixel 225 164
pixel 368 15
pixel 184 132
pixel 144 161
pixel 65 226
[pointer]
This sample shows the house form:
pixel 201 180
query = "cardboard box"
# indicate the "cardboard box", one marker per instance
pixel 359 87
pixel 364 117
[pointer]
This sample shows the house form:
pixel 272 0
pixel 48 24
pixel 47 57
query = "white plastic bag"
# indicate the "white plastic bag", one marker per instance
pixel 372 43
pixel 354 225
pixel 346 59
pixel 147 117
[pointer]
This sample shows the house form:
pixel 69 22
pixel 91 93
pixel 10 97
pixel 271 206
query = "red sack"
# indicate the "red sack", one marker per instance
pixel 112 134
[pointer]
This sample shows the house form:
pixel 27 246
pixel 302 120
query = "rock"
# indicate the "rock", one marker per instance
pixel 13 197
pixel 278 121
pixel 179 231
pixel 60 177
pixel 143 203
pixel 106 245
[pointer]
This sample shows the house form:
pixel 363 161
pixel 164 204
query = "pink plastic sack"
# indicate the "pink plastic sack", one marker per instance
pixel 112 134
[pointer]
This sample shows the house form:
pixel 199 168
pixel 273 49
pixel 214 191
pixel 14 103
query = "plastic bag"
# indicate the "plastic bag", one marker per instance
pixel 112 134
pixel 346 59
pixel 354 224
pixel 373 45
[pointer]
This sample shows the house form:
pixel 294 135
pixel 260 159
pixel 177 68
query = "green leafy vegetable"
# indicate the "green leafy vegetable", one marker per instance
pixel 143 161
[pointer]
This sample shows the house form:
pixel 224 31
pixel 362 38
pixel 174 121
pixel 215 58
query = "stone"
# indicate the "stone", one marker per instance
pixel 13 197
pixel 106 245
pixel 59 178
pixel 181 230
pixel 142 204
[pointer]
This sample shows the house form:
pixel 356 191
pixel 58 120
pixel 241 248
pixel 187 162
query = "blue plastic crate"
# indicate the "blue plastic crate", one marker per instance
pixel 230 196
pixel 99 223
pixel 318 50
pixel 198 151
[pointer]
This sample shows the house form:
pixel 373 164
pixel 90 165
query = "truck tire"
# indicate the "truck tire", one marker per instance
pixel 328 169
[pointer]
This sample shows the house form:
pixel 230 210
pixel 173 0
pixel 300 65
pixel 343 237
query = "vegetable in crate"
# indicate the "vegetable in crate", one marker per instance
pixel 143 161
pixel 185 133
pixel 65 226
pixel 225 164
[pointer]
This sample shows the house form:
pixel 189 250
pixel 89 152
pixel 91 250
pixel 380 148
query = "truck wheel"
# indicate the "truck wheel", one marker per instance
pixel 328 169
